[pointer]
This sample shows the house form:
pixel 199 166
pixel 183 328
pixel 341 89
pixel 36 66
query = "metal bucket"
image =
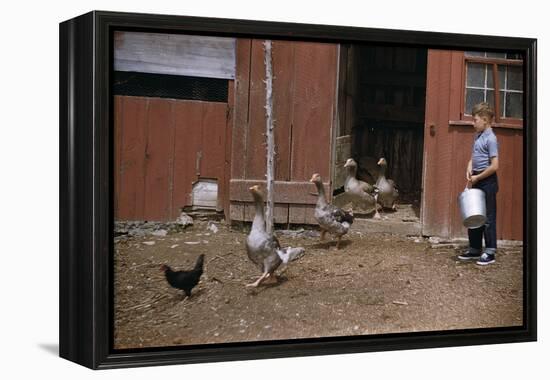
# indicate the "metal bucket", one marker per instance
pixel 472 208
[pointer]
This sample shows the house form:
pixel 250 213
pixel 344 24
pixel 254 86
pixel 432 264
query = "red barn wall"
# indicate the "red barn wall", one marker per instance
pixel 304 109
pixel 156 146
pixel 448 142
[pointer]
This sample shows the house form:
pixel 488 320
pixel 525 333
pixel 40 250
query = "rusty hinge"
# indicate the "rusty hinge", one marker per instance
pixel 198 163
pixel 432 129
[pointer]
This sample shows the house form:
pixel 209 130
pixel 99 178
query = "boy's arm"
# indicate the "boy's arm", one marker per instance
pixel 469 171
pixel 491 169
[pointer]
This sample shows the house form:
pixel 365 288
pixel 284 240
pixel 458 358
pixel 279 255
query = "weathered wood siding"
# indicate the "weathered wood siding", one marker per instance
pixel 162 146
pixel 447 151
pixel 304 105
pixel 175 54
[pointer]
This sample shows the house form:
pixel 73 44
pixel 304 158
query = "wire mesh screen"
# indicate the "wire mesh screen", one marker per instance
pixel 170 86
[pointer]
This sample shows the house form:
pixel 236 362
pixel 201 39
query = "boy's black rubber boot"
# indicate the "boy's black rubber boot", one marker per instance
pixel 486 259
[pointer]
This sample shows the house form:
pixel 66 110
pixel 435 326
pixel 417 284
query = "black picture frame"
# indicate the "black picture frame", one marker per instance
pixel 86 191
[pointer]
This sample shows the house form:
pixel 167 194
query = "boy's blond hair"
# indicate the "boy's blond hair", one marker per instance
pixel 483 109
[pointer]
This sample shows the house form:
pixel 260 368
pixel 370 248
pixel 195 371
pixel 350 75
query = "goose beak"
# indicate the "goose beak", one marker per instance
pixel 314 177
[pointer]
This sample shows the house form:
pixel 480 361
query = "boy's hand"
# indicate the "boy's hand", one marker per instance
pixel 469 173
pixel 474 179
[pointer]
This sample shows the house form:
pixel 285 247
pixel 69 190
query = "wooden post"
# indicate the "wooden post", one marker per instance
pixel 270 175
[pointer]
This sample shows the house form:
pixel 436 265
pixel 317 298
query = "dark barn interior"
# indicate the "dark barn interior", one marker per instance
pixel 383 112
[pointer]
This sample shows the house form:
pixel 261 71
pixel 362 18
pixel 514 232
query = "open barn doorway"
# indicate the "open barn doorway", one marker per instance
pixel 381 107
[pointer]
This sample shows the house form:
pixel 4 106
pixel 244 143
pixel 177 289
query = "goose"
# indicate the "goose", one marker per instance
pixel 264 249
pixel 364 192
pixel 387 191
pixel 331 219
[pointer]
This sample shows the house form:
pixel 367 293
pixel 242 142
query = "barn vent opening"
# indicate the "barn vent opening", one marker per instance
pixel 170 86
pixel 382 95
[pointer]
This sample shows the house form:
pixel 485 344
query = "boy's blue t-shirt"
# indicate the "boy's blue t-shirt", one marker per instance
pixel 485 147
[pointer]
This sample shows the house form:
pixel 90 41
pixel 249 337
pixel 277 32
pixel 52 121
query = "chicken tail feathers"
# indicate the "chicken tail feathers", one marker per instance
pixel 200 262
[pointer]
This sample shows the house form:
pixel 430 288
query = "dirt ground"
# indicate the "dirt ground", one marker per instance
pixel 376 283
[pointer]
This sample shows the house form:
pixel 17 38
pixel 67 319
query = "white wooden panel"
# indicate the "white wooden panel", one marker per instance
pixel 175 54
pixel 205 194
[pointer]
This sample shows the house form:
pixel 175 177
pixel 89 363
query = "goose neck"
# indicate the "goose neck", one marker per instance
pixel 321 200
pixel 258 222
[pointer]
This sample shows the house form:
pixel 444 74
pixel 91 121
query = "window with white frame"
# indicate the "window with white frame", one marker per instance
pixel 495 78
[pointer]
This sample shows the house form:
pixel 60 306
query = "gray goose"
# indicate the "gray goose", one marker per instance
pixel 264 249
pixel 363 192
pixel 387 191
pixel 331 219
pixel 260 246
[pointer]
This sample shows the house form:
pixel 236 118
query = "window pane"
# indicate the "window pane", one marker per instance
pixel 502 76
pixel 473 97
pixel 490 82
pixel 514 105
pixel 501 102
pixel 515 78
pixel 475 54
pixel 475 75
pixel 496 55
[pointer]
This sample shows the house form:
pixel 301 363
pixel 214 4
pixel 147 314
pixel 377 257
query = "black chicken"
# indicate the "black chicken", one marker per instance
pixel 185 280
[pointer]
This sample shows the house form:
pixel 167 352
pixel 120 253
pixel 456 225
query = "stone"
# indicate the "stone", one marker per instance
pixel 434 240
pixel 184 220
pixel 212 227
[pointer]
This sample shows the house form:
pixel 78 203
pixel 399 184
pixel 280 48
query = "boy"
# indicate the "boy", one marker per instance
pixel 482 174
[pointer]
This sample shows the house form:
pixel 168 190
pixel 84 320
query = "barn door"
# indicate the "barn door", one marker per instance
pixel 163 147
pixel 347 93
pixel 171 122
pixel 304 108
pixel 436 209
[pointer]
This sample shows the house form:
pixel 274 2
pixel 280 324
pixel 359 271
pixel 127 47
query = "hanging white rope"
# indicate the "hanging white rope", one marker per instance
pixel 270 164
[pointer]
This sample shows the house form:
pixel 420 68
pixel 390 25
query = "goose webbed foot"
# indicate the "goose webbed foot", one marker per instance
pixel 258 281
pixel 270 279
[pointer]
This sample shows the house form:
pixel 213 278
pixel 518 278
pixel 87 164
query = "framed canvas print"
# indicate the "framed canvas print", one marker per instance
pixel 237 189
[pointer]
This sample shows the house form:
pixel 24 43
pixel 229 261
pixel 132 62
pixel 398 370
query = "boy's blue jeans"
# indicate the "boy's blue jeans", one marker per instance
pixel 488 231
